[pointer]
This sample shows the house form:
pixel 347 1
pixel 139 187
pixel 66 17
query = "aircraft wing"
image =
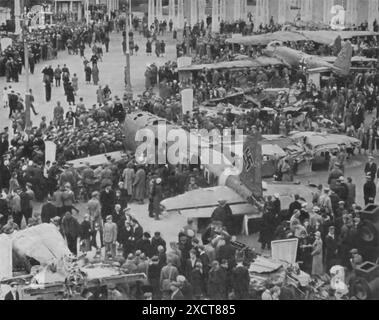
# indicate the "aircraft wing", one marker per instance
pixel 320 70
pixel 44 243
pixel 97 160
pixel 201 203
pixel 237 64
pixel 353 59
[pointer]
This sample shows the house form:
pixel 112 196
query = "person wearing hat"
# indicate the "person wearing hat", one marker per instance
pixel 94 209
pixel 331 248
pixel 110 237
pixel 341 189
pixel 157 241
pixel 351 187
pixel 13 293
pixel 128 177
pixel 325 203
pixel 240 280
pixel 317 255
pixel 48 210
pixel 276 205
pixel 139 185
pixel 189 226
pixel 157 197
pixel 315 216
pixel 107 201
pixel 371 168
pixel 217 282
pixel 224 214
pixel 129 266
pixel 85 234
pixel 144 245
pixel 168 274
pixel 334 174
pixel 295 205
pixel 153 275
pixel 369 190
pixel 26 203
pixel 71 231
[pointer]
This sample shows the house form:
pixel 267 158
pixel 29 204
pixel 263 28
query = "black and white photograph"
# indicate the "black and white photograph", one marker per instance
pixel 203 151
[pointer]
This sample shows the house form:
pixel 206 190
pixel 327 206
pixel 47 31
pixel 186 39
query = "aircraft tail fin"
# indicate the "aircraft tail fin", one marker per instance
pixel 251 175
pixel 343 62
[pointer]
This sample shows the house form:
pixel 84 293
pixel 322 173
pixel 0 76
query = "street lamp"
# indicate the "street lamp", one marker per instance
pixel 25 21
pixel 128 85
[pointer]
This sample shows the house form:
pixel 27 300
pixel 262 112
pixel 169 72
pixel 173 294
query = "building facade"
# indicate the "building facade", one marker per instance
pixel 356 11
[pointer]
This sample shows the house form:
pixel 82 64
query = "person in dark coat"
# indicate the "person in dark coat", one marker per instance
pixel 137 229
pixel 224 214
pixel 334 175
pixel 157 241
pixel 70 93
pixel 107 201
pixel 240 281
pixel 13 293
pixel 227 252
pixel 5 175
pixel 117 214
pixel 157 195
pixel 371 168
pixel 334 199
pixel 4 144
pixel 97 238
pixel 125 237
pixel 48 211
pixel 267 231
pixel 71 231
pixel 88 73
pixel 369 191
pixel 153 275
pixel 122 198
pixel 118 111
pixel 276 207
pixel 47 90
pixel 144 245
pixel 149 47
pixel 26 205
pixel 295 205
pixel 341 189
pixel 190 264
pixel 198 281
pixel 85 234
pixel 217 282
pixel 331 248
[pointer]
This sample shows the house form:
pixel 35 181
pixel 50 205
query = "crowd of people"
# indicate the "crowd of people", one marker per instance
pixel 197 265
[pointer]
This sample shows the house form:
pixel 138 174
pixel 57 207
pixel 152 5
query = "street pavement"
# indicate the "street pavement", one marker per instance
pixel 112 73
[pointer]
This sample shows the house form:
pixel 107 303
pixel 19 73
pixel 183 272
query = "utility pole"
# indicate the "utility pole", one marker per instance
pixel 26 65
pixel 128 85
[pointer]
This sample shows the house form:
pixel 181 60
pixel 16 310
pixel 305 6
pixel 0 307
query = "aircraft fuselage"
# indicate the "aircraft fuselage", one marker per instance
pixel 297 58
